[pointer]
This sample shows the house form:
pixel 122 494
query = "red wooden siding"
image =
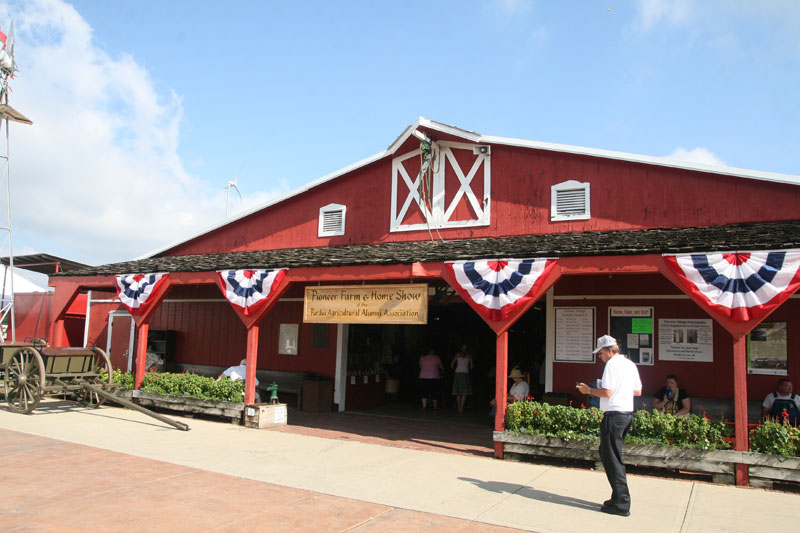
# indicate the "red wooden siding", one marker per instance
pixel 32 315
pixel 624 195
pixel 711 380
pixel 210 333
pixel 33 318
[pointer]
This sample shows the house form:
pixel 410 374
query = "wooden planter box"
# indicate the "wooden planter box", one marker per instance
pixel 265 415
pixel 764 469
pixel 231 410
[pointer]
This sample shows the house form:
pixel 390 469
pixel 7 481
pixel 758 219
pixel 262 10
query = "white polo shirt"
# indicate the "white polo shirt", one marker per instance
pixel 621 376
pixel 237 373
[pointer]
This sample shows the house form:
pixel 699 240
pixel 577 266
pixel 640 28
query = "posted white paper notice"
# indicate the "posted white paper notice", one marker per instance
pixel 633 340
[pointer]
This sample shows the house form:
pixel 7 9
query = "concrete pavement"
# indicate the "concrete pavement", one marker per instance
pixel 486 492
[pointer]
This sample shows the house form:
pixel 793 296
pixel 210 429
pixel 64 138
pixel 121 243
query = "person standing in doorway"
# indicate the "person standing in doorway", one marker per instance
pixel 430 369
pixel 619 384
pixel 462 385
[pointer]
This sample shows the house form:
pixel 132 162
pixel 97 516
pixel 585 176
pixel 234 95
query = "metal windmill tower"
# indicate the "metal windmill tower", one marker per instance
pixel 7 114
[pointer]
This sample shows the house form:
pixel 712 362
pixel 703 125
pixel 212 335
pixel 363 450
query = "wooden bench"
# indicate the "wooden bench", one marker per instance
pixel 288 381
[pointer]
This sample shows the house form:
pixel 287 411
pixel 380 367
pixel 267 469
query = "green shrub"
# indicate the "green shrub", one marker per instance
pixel 118 376
pixel 655 427
pixel 776 438
pixel 648 427
pixel 188 385
pixel 561 421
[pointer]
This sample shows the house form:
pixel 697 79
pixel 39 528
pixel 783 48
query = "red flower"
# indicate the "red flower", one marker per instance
pixel 583 406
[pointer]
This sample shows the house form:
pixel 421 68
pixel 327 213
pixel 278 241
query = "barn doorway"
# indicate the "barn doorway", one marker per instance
pixel 394 351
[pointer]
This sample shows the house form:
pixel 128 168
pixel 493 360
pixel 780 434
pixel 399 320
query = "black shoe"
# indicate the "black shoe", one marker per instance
pixel 614 510
pixel 608 502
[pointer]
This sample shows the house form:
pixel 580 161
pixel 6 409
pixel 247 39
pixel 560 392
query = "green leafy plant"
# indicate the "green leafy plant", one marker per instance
pixel 561 421
pixel 778 438
pixel 648 427
pixel 187 385
pixel 124 379
pixel 655 427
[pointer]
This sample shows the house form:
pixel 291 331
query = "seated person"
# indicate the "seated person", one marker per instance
pixel 519 390
pixel 239 372
pixel 672 399
pixel 783 400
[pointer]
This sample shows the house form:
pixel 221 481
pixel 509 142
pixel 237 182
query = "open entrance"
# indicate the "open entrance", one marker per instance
pixel 393 352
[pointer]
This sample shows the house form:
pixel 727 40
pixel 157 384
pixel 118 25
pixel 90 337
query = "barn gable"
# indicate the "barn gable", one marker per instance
pixel 438 182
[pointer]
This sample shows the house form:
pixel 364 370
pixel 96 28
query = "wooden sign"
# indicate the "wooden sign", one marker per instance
pixel 367 304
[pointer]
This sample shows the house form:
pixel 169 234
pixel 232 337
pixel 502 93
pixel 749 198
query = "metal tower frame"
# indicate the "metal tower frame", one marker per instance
pixel 7 115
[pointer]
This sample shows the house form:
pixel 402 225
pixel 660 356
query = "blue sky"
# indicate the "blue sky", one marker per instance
pixel 144 110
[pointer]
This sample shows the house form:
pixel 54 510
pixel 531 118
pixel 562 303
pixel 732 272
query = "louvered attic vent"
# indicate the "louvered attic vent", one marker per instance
pixel 570 201
pixel 331 220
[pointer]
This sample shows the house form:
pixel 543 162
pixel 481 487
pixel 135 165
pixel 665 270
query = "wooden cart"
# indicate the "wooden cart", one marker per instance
pixel 30 371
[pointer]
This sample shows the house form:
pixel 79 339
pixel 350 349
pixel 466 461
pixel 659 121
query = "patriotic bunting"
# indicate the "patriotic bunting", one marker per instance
pixel 742 287
pixel 249 290
pixel 499 287
pixel 134 290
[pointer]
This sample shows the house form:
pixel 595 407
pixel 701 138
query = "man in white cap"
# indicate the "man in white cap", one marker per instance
pixel 619 384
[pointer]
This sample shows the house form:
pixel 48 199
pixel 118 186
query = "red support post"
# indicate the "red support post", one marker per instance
pixel 252 362
pixel 141 354
pixel 57 333
pixel 501 388
pixel 741 440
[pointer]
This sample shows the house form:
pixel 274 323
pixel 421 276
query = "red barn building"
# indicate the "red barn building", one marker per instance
pixel 608 222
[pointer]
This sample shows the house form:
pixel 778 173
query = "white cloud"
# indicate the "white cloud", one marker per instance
pixel 696 155
pixel 514 7
pixel 653 13
pixel 98 176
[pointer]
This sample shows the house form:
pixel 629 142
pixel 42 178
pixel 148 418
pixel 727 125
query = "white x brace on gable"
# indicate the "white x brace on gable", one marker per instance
pixel 433 209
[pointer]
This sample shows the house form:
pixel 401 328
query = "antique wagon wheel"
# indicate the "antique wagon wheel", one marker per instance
pixel 101 363
pixel 24 380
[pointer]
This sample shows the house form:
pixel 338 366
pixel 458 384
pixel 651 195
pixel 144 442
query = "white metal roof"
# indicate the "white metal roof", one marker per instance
pixel 474 137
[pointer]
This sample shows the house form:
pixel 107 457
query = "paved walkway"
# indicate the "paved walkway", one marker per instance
pixel 68 468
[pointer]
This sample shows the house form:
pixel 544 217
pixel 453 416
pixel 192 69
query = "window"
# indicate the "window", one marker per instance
pixel 331 220
pixel 569 201
pixel 451 196
pixel 319 336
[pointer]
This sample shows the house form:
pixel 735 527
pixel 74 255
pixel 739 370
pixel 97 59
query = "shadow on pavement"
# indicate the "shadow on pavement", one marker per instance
pixel 501 487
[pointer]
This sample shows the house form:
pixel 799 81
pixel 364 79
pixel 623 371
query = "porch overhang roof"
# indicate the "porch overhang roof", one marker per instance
pixel 728 238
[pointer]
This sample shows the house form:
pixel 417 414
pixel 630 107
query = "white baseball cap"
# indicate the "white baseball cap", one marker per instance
pixel 604 342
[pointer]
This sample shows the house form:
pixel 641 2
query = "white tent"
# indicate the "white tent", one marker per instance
pixel 24 281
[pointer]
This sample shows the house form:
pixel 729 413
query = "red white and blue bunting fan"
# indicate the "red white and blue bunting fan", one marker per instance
pixel 740 286
pixel 135 290
pixel 499 287
pixel 249 290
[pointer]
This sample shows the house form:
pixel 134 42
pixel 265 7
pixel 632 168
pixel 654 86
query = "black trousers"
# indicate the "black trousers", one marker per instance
pixel 613 428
